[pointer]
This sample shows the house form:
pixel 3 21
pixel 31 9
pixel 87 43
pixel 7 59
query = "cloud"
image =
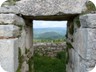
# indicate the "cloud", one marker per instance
pixel 46 24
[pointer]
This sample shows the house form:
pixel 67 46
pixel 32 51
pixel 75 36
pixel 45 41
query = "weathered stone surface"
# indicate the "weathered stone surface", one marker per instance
pixel 77 63
pixel 88 21
pixel 9 9
pixel 22 41
pixel 50 7
pixel 47 7
pixel 29 37
pixel 79 42
pixel 85 45
pixel 11 19
pixel 9 54
pixel 9 31
pixel 25 67
pixel 49 49
pixel 82 36
pixel 82 57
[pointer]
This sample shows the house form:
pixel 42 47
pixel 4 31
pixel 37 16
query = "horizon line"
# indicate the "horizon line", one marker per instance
pixel 49 27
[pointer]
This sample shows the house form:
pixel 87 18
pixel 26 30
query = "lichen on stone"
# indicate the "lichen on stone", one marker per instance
pixel 90 7
pixel 20 58
pixel 9 3
pixel 71 29
pixel 69 45
pixel 77 22
pixel 27 50
pixel 31 64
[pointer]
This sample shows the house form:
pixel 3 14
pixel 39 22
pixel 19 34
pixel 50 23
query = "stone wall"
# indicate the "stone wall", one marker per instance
pixel 82 43
pixel 49 49
pixel 10 32
pixel 15 38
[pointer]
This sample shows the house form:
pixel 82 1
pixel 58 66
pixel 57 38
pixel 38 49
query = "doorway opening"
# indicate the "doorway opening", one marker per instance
pixel 49 43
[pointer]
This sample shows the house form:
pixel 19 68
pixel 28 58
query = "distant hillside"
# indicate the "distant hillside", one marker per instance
pixel 51 33
pixel 50 36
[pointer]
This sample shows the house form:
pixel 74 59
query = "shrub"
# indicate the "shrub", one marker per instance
pixel 48 64
pixel 90 6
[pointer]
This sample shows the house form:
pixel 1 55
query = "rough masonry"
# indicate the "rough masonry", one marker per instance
pixel 16 26
pixel 48 49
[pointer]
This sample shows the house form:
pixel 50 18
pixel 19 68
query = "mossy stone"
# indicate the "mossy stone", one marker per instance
pixel 77 22
pixel 90 6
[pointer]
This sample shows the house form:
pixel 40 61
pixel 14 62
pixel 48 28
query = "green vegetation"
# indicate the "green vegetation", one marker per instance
pixel 48 64
pixel 31 64
pixel 20 57
pixel 48 40
pixel 90 6
pixel 71 29
pixel 10 2
pixel 77 21
pixel 42 33
pixel 69 46
pixel 50 36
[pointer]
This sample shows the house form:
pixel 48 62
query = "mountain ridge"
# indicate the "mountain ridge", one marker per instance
pixel 58 32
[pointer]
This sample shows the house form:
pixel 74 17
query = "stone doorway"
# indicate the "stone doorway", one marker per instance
pixel 28 20
pixel 16 32
pixel 49 43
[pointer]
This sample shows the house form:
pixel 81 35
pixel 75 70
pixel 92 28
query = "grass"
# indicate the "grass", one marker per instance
pixel 48 64
pixel 52 41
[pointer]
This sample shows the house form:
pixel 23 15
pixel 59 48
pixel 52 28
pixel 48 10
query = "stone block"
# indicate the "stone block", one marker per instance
pixel 9 9
pixel 85 43
pixel 76 63
pixel 9 54
pixel 29 37
pixel 88 21
pixel 79 42
pixel 46 7
pixel 22 41
pixel 7 31
pixel 11 19
pixel 51 7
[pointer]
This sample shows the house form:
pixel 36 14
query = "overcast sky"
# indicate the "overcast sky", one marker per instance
pixel 46 24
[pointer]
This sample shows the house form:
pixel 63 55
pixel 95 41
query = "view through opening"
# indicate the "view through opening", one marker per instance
pixel 49 44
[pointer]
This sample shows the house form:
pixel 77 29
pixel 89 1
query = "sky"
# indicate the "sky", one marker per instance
pixel 47 24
